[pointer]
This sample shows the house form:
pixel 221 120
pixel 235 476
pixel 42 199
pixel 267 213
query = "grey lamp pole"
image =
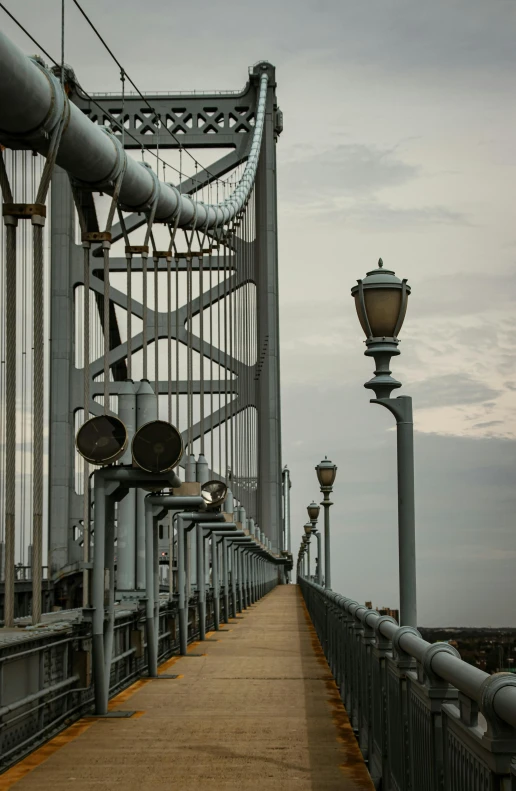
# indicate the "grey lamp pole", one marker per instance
pixel 313 515
pixel 308 531
pixel 381 304
pixel 305 549
pixel 326 472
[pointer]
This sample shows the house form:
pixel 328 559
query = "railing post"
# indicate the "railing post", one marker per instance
pixel 378 758
pixel 398 746
pixel 366 724
pixel 426 694
pixel 472 759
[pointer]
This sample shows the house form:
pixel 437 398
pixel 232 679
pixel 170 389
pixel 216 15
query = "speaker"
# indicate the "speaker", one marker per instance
pixel 102 439
pixel 157 447
pixel 214 493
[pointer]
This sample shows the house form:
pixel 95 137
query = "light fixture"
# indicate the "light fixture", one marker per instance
pixel 214 493
pixel 326 472
pixel 102 440
pixel 313 511
pixel 381 301
pixel 157 447
pixel 308 529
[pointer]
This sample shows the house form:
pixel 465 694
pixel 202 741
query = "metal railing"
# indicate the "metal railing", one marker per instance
pixel 424 719
pixel 45 680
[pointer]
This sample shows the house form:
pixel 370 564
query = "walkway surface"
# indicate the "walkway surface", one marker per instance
pixel 254 707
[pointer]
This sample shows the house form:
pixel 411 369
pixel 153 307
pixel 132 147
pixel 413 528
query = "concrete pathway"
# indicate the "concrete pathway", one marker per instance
pixel 254 707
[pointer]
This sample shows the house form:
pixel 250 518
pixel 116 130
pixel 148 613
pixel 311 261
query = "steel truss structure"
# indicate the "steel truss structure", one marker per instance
pixel 182 121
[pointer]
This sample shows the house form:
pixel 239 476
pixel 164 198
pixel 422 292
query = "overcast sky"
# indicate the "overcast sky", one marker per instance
pixel 399 122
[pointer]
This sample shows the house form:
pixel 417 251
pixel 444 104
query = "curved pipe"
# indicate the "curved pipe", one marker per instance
pixel 31 99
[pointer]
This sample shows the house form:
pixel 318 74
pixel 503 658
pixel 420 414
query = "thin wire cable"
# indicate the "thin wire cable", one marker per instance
pixel 177 341
pixel 140 94
pixel 156 357
pixel 111 118
pixel 169 352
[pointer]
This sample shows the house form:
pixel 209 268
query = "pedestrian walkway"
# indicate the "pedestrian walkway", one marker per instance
pixel 253 707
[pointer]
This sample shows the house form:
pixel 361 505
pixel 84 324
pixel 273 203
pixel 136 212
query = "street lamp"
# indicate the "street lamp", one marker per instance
pixel 326 472
pixel 313 515
pixel 308 531
pixel 381 304
pixel 304 547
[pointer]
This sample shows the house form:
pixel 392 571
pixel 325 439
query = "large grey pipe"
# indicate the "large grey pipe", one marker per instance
pixel 32 102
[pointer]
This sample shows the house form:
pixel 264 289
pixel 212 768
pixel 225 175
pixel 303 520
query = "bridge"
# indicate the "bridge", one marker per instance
pixel 148 585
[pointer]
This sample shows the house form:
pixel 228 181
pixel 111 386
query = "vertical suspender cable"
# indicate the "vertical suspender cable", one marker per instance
pixel 11 224
pixel 129 265
pixel 106 247
pixel 145 255
pixel 233 259
pixel 169 342
pixel 189 359
pixel 156 357
pixel 201 338
pixel 226 291
pixel 212 457
pixel 176 258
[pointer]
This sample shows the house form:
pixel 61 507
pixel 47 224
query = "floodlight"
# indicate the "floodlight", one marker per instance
pixel 102 439
pixel 157 447
pixel 214 493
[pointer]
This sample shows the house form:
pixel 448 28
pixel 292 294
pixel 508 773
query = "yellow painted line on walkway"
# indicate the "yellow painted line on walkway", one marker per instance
pixel 353 767
pixel 12 776
pixel 42 754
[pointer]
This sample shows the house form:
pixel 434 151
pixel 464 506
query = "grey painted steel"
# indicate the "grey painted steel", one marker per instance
pixel 415 706
pixel 146 410
pixel 193 126
pixel 401 408
pixel 109 484
pixel 64 505
pixel 326 504
pixel 287 541
pixel 268 383
pixel 30 95
pixel 151 576
pixel 319 557
pixel 126 515
pixel 183 528
pixel 98 594
pixel 44 673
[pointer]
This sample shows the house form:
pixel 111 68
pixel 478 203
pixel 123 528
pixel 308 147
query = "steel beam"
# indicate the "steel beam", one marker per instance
pixel 267 376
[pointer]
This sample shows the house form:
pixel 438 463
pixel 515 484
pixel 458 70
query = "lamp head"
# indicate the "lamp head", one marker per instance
pixel 326 472
pixel 102 440
pixel 381 303
pixel 157 447
pixel 308 529
pixel 313 511
pixel 214 493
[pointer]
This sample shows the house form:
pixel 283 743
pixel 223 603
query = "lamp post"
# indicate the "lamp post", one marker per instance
pixel 326 472
pixel 381 304
pixel 313 515
pixel 308 531
pixel 305 556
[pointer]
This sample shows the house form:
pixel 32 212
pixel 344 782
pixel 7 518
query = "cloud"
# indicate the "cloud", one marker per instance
pixel 450 390
pixel 488 424
pixel 346 169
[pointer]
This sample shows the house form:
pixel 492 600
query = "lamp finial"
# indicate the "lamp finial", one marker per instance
pixel 380 263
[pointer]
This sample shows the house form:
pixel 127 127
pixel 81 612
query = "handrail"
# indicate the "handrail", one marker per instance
pixel 445 665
